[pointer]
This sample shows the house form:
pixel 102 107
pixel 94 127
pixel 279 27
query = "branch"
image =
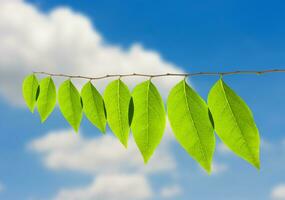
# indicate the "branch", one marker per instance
pixel 168 74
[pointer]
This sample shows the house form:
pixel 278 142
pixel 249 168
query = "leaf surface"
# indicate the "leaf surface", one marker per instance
pixel 117 99
pixel 47 98
pixel 30 90
pixel 70 104
pixel 149 118
pixel 93 106
pixel 189 118
pixel 234 122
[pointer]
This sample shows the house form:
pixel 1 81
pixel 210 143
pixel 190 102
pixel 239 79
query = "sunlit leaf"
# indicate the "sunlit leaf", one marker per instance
pixel 30 90
pixel 234 122
pixel 70 104
pixel 47 98
pixel 189 119
pixel 93 106
pixel 149 118
pixel 117 100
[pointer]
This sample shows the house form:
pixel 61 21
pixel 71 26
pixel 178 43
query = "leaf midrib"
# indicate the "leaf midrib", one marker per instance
pixel 95 106
pixel 119 111
pixel 147 115
pixel 236 122
pixel 72 103
pixel 47 95
pixel 199 139
pixel 34 93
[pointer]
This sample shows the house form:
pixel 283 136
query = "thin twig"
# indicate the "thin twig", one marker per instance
pixel 167 74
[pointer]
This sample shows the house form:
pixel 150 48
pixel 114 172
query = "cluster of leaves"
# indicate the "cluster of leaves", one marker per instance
pixel 192 120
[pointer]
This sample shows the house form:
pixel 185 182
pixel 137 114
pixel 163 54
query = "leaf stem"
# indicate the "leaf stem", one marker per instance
pixel 166 74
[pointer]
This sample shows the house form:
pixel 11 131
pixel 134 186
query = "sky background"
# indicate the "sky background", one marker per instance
pixel 50 162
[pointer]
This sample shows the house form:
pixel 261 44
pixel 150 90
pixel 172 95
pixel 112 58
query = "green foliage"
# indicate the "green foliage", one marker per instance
pixel 117 99
pixel 189 119
pixel 149 118
pixel 93 106
pixel 47 98
pixel 70 104
pixel 234 122
pixel 30 90
pixel 143 111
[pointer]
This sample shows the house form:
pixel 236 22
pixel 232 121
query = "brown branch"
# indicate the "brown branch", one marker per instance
pixel 167 74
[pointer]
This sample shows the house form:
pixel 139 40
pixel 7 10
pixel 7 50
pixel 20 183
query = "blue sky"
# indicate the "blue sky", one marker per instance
pixel 49 162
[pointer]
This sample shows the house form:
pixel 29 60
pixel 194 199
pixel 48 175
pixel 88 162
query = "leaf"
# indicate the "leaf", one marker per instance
pixel 30 90
pixel 189 119
pixel 70 104
pixel 234 122
pixel 149 118
pixel 93 106
pixel 47 98
pixel 117 99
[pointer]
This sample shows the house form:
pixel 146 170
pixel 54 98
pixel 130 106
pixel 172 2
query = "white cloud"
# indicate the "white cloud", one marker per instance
pixel 222 148
pixel 65 41
pixel 2 187
pixel 278 192
pixel 65 150
pixel 265 144
pixel 170 191
pixel 106 159
pixel 9 1
pixel 283 142
pixel 111 187
pixel 218 168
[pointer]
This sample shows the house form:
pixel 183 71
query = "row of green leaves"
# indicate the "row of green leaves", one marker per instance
pixel 193 121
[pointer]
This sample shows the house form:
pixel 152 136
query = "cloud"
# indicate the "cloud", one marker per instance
pixel 65 41
pixel 65 150
pixel 2 187
pixel 105 159
pixel 111 187
pixel 218 168
pixel 9 1
pixel 265 144
pixel 278 192
pixel 170 191
pixel 222 148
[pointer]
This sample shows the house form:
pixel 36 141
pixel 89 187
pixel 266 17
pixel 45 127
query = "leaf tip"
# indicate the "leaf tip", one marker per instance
pixel 208 168
pixel 125 144
pixel 257 165
pixel 208 172
pixel 102 130
pixel 75 128
pixel 32 109
pixel 43 118
pixel 146 159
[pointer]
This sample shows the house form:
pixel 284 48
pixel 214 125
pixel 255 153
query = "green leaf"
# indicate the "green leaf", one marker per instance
pixel 30 90
pixel 70 104
pixel 93 106
pixel 189 120
pixel 47 98
pixel 234 122
pixel 117 99
pixel 149 118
